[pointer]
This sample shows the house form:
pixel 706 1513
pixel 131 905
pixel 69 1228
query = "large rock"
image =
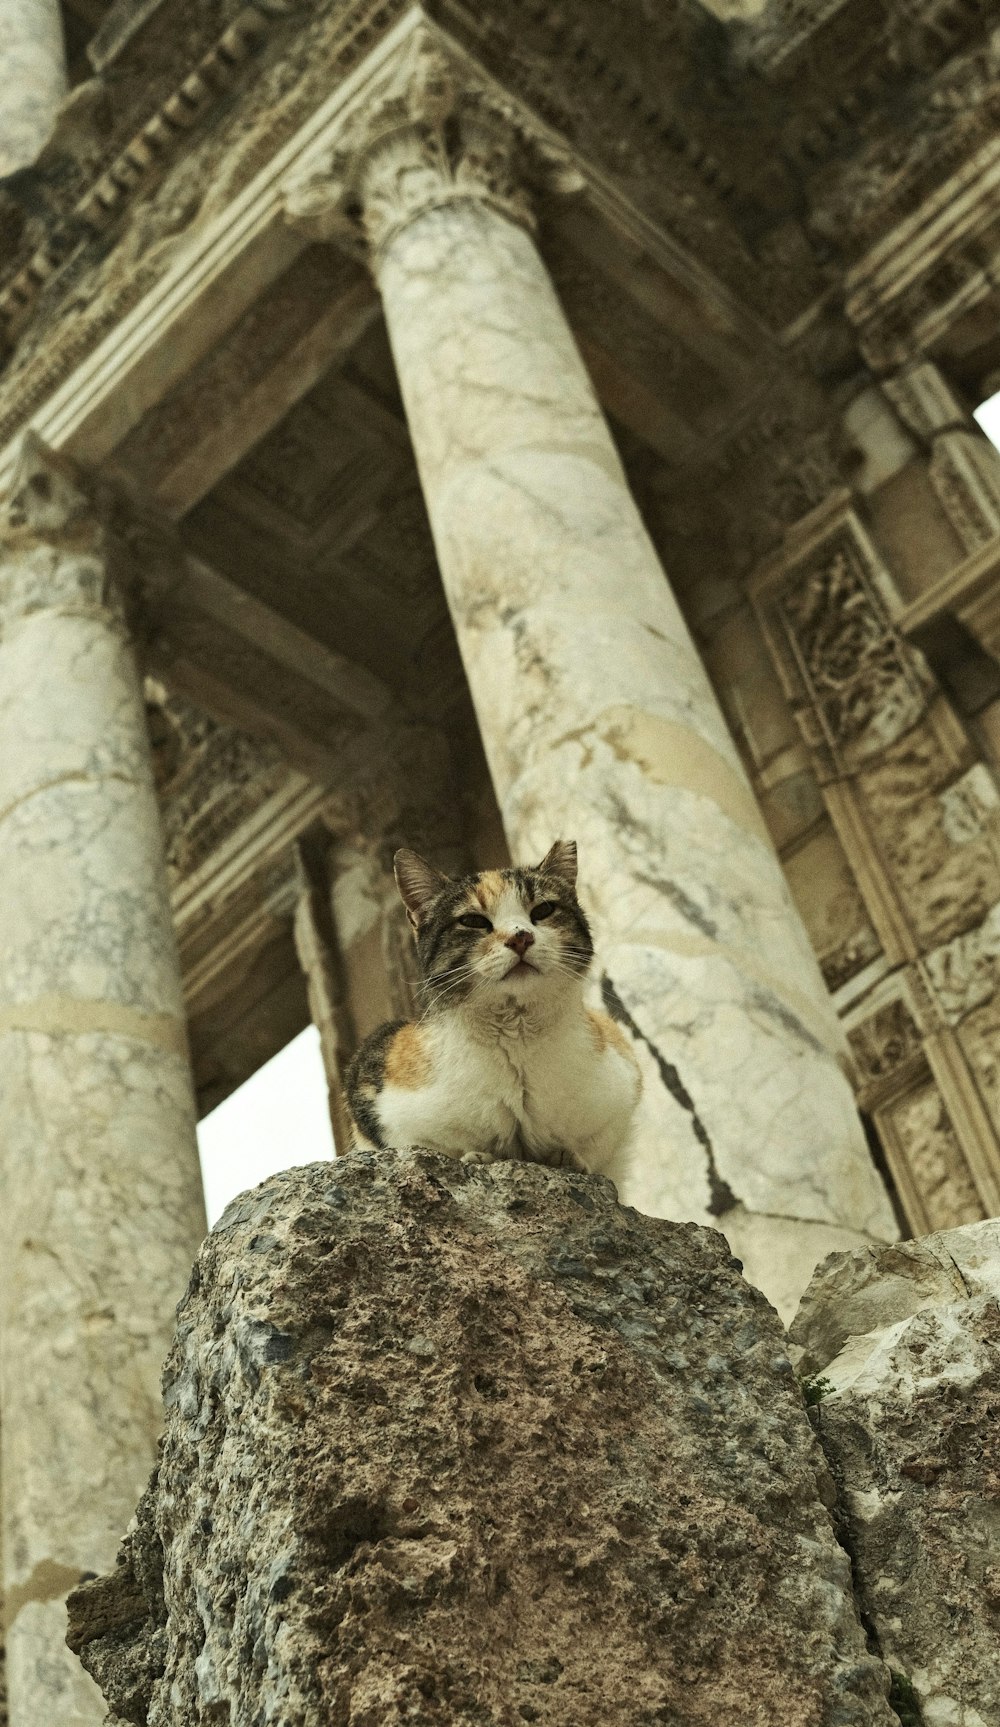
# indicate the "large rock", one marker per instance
pixel 906 1340
pixel 477 1446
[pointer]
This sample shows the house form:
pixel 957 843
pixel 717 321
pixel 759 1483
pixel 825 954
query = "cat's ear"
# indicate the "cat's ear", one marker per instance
pixel 560 860
pixel 418 882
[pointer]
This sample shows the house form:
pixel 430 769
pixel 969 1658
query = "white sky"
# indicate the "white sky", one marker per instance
pixel 988 415
pixel 279 1118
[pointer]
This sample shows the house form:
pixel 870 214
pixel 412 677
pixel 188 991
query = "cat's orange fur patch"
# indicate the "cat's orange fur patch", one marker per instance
pixel 596 1023
pixel 489 887
pixel 407 1063
pixel 605 1031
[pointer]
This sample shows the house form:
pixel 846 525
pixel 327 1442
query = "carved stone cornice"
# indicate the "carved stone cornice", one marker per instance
pixel 427 133
pixel 70 541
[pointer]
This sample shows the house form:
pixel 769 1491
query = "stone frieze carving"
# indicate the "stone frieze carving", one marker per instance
pixel 865 685
pixel 210 778
pixel 885 1042
pixel 940 1190
pixel 965 474
pixel 965 972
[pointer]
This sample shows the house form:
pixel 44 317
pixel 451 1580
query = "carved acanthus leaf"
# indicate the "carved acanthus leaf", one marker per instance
pixel 428 133
pixel 72 538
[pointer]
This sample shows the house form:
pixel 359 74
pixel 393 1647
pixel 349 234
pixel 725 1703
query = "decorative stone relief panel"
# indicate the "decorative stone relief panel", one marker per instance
pixel 884 1043
pixel 210 778
pixel 931 1172
pixel 919 1130
pixel 965 474
pixel 855 684
pixel 919 819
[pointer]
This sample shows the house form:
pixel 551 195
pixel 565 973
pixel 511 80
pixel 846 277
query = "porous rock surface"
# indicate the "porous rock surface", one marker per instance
pixel 907 1339
pixel 452 1444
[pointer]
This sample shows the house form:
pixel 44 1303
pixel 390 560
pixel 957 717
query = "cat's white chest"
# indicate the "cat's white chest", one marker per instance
pixel 555 1090
pixel 565 1096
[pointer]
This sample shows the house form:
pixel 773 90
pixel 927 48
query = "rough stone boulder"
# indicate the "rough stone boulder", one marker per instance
pixel 906 1340
pixel 451 1444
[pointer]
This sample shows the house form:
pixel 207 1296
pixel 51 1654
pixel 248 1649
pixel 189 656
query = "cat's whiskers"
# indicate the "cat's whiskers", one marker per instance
pixel 452 981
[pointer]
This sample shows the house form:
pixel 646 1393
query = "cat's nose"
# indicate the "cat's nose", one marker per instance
pixel 520 941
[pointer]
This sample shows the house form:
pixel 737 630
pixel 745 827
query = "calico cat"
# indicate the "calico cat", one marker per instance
pixel 506 1061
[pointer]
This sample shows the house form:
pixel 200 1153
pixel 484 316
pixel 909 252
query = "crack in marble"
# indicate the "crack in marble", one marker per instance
pixel 682 902
pixel 721 1196
pixel 856 1230
pixel 75 777
pixel 770 1005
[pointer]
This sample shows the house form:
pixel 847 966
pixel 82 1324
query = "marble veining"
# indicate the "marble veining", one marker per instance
pixel 599 721
pixel 100 1194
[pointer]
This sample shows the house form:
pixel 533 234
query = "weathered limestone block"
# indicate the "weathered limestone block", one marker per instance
pixel 452 1444
pixel 908 1339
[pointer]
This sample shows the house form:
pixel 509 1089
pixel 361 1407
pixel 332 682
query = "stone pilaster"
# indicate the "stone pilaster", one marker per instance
pixel 597 717
pixel 100 1197
pixel 919 817
pixel 33 57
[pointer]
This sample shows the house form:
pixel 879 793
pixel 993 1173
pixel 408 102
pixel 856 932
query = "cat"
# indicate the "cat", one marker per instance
pixel 507 1061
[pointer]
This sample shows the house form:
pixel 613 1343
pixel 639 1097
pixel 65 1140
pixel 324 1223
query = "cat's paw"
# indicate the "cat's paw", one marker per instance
pixel 476 1157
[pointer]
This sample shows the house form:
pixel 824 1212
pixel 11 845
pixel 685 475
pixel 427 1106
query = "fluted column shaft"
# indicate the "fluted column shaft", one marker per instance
pixel 33 59
pixel 597 717
pixel 100 1197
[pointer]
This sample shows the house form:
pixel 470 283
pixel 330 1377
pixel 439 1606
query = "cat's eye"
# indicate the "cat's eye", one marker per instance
pixel 543 909
pixel 474 921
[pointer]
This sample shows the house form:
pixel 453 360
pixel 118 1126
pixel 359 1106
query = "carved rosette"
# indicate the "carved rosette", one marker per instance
pixel 429 133
pixel 885 1043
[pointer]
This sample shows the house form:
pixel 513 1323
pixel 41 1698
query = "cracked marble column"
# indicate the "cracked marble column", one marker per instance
pixel 597 717
pixel 33 57
pixel 100 1197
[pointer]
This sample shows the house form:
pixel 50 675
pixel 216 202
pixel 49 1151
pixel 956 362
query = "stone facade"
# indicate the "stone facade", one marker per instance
pixel 506 421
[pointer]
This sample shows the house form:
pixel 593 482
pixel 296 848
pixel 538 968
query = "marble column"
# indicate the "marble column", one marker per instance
pixel 597 717
pixel 100 1197
pixel 33 58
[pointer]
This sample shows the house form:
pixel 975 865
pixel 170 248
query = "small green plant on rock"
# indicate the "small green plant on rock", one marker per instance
pixel 815 1388
pixel 904 1700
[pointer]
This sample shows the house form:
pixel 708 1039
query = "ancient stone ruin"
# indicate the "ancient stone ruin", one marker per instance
pixel 450 1444
pixel 461 424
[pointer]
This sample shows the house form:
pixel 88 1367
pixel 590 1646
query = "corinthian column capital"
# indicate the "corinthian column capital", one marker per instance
pixel 71 541
pixel 427 133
